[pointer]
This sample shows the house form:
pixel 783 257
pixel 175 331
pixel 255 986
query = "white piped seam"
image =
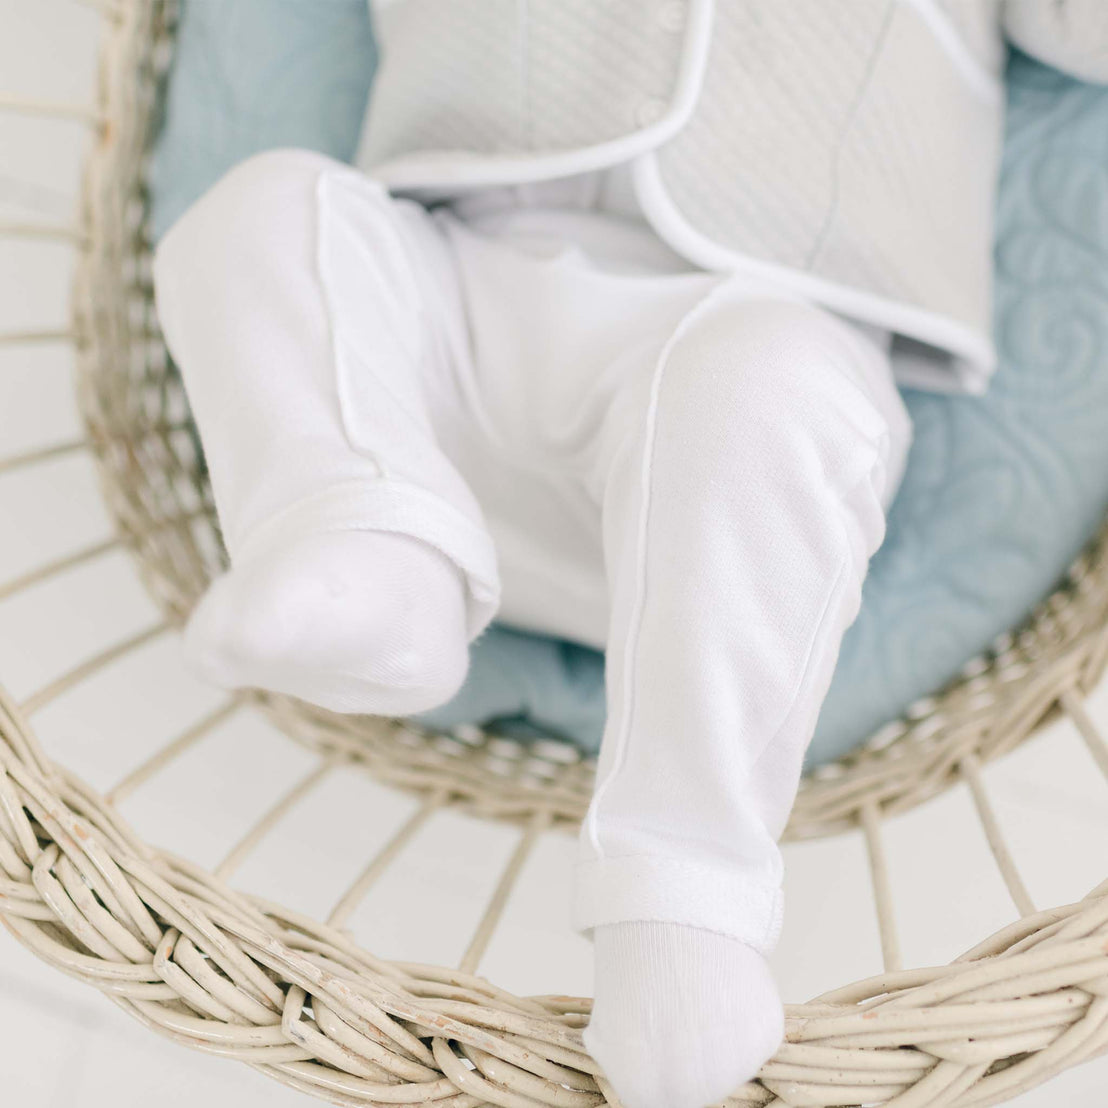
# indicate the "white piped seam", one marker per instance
pixel 974 355
pixel 635 622
pixel 986 85
pixel 449 169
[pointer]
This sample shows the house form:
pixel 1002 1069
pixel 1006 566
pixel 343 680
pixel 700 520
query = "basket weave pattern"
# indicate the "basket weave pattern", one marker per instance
pixel 223 972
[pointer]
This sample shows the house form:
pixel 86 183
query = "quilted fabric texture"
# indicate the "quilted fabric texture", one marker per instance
pixel 1001 491
pixel 465 82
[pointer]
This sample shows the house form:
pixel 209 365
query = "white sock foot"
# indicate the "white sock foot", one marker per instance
pixel 366 622
pixel 682 1017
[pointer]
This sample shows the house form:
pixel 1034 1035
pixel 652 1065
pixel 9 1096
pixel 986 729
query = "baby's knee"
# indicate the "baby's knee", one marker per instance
pixel 758 368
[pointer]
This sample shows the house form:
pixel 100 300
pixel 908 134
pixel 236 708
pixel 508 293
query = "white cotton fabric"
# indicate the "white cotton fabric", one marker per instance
pixel 360 621
pixel 682 1017
pixel 1071 35
pixel 687 468
pixel 299 324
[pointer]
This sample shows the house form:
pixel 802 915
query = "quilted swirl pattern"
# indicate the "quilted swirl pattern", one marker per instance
pixel 1001 491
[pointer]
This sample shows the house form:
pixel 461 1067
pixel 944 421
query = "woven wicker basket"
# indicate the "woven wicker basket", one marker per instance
pixel 220 971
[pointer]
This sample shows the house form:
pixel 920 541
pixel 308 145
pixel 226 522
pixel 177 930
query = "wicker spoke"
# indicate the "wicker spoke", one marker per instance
pixel 52 109
pixel 86 669
pixel 74 446
pixel 272 817
pixel 1094 740
pixel 536 825
pixel 970 767
pixel 109 9
pixel 33 338
pixel 385 857
pixel 59 565
pixel 882 891
pixel 87 554
pixel 172 750
pixel 42 231
pixel 41 454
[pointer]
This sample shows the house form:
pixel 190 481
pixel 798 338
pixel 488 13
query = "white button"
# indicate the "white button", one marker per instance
pixel 649 111
pixel 671 16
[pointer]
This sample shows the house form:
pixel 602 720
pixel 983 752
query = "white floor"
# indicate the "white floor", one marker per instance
pixel 63 1044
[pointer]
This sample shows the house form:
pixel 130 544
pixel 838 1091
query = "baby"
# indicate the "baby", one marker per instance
pixel 602 338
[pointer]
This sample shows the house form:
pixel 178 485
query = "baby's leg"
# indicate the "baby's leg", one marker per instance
pixel 293 301
pixel 741 508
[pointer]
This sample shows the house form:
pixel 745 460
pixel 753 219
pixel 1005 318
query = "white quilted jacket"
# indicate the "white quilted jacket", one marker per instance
pixel 850 146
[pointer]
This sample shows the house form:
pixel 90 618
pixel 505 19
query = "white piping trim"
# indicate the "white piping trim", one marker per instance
pixel 436 169
pixel 621 740
pixel 974 355
pixel 987 85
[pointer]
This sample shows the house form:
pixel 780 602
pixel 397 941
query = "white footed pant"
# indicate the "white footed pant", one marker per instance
pixel 687 469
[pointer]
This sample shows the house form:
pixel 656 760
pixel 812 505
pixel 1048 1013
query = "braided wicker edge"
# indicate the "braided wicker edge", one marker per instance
pixel 228 974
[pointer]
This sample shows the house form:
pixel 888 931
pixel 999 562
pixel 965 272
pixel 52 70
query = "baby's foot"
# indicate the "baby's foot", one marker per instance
pixel 366 622
pixel 682 1016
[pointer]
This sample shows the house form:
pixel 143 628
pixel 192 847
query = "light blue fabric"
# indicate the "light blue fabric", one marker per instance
pixel 1001 491
pixel 252 75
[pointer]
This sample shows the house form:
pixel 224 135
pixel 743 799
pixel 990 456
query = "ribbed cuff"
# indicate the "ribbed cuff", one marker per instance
pixel 639 887
pixel 387 504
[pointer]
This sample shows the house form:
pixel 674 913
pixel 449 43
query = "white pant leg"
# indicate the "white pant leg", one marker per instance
pixel 561 307
pixel 308 312
pixel 742 505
